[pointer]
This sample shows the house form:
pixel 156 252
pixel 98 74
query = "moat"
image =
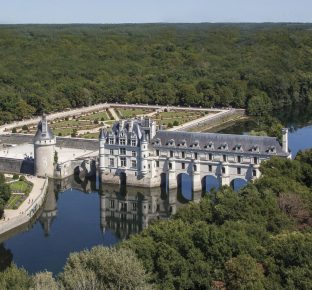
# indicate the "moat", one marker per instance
pixel 73 218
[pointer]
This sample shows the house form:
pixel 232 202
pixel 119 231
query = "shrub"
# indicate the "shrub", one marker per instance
pixel 14 130
pixel 25 128
pixel 15 176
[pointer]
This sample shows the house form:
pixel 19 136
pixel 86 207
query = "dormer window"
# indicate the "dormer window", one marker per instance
pixel 224 146
pixel 183 143
pixel 255 148
pixel 111 141
pixel 171 142
pixel 196 143
pixel 271 149
pixel 157 142
pixel 238 147
pixel 133 142
pixel 122 141
pixel 210 146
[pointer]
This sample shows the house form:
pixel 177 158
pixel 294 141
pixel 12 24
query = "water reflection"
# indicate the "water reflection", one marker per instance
pixel 79 214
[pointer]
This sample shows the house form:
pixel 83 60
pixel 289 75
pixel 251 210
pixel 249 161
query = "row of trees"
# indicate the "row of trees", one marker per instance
pixel 257 238
pixel 5 193
pixel 48 68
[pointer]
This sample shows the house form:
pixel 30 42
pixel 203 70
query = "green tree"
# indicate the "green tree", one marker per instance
pixel 259 105
pixel 104 268
pixel 243 272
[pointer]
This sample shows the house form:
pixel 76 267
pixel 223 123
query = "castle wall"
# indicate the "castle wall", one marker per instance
pixel 12 165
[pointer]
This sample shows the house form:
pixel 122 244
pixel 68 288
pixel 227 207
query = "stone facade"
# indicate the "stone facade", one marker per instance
pixel 135 153
pixel 44 148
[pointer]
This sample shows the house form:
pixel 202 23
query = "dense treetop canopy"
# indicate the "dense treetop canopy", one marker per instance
pixel 52 67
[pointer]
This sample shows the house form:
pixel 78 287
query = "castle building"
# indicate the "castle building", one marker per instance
pixel 135 153
pixel 44 149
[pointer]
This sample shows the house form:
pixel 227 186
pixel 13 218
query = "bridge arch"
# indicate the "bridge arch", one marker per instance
pixel 185 190
pixel 238 183
pixel 210 182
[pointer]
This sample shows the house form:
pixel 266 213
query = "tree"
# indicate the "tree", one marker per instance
pixel 259 105
pixel 104 268
pixel 243 272
pixel 14 278
pixel 14 130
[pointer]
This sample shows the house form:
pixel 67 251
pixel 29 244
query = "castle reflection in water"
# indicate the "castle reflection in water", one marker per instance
pixel 123 210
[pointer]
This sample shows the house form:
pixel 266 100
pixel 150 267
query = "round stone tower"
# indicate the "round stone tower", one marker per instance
pixel 44 149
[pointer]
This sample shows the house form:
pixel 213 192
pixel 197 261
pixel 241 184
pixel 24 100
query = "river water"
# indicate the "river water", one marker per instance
pixel 76 217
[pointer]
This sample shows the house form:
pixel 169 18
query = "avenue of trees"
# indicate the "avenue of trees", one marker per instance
pixel 5 193
pixel 257 238
pixel 260 67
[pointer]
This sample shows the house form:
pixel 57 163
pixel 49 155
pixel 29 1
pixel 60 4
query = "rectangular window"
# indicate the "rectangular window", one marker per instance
pixel 171 153
pixel 133 154
pixel 122 151
pixel 196 155
pixel 170 165
pixel 157 163
pixel 111 161
pixel 134 206
pixel 210 168
pixel 183 154
pixel 183 165
pixel 122 141
pixel 157 152
pixel 210 156
pixel 255 160
pixel 111 140
pixel 123 162
pixel 133 164
pixel 112 204
pixel 111 151
pixel 133 142
pixel 223 170
pixel 195 168
pixel 224 158
pixel 239 159
pixel 254 173
pixel 239 170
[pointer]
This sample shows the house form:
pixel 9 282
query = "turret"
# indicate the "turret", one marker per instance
pixel 44 149
pixel 102 150
pixel 144 153
pixel 285 140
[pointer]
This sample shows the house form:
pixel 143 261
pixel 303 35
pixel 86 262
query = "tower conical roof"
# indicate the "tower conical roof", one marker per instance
pixel 43 130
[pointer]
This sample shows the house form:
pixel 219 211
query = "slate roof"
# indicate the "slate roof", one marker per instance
pixel 221 142
pixel 44 132
pixel 129 127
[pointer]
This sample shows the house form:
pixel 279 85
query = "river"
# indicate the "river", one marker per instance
pixel 76 217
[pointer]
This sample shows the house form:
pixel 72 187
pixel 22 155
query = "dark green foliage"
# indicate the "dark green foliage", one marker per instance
pixel 104 268
pixel 255 66
pixel 5 193
pixel 249 239
pixel 14 278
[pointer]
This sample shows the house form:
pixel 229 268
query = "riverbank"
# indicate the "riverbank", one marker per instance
pixel 14 218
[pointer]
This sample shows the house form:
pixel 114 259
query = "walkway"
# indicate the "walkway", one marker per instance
pixel 114 114
pixel 204 120
pixel 14 218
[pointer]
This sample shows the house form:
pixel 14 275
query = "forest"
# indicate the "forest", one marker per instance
pixel 261 67
pixel 257 238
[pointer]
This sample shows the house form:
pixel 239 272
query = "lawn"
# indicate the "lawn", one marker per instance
pixel 131 113
pixel 21 186
pixel 164 118
pixel 100 116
